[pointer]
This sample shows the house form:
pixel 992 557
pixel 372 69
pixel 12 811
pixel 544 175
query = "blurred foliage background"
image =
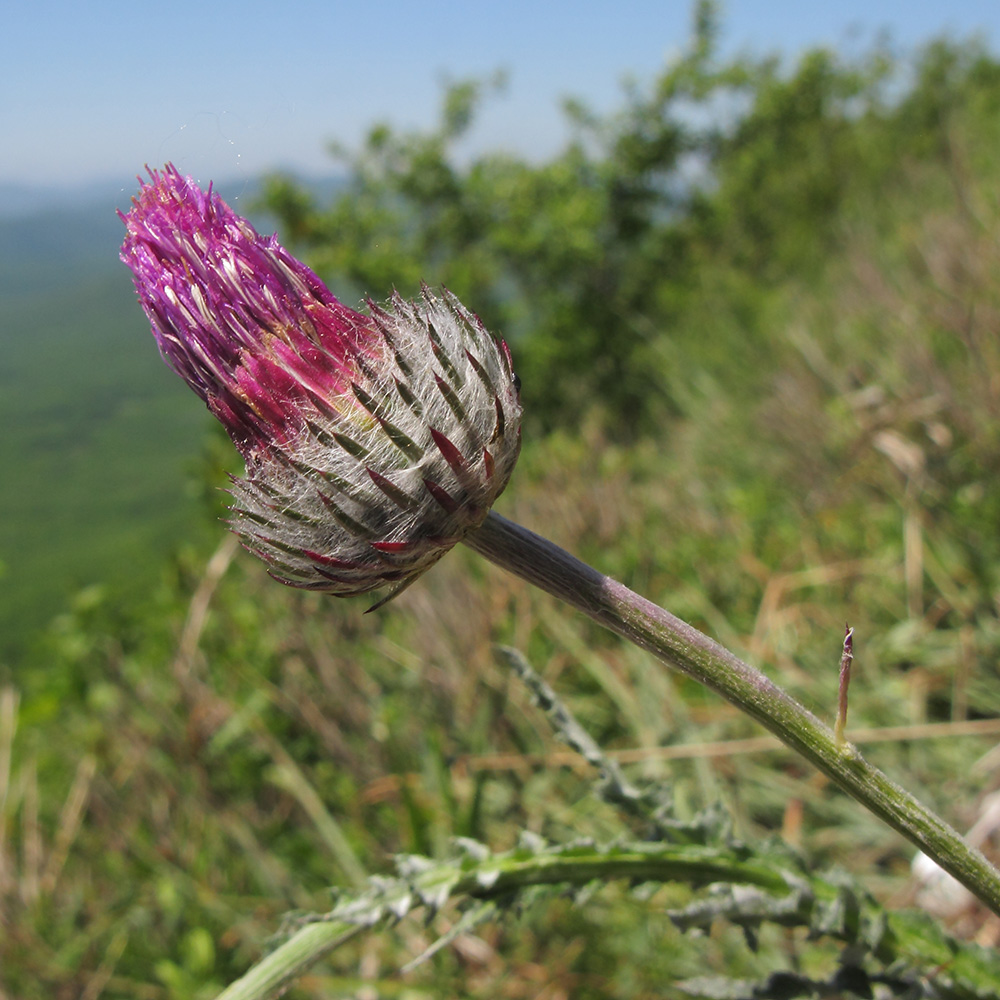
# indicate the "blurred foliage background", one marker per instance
pixel 756 314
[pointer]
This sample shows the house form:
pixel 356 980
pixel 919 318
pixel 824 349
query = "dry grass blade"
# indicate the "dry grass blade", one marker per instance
pixel 780 585
pixel 8 726
pixel 200 601
pixel 288 775
pixel 70 819
pixel 99 980
pixel 525 762
pixel 31 860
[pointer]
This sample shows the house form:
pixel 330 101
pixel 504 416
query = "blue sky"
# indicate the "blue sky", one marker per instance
pixel 93 91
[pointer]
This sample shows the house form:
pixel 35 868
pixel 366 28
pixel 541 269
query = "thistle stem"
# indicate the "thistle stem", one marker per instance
pixel 896 938
pixel 684 648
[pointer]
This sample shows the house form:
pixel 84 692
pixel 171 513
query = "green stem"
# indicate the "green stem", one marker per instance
pixel 677 644
pixel 961 970
pixel 307 946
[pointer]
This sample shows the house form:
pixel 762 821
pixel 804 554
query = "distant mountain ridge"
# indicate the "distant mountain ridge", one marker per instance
pixel 50 235
pixel 20 200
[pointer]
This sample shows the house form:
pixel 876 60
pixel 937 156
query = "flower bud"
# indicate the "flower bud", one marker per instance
pixel 373 441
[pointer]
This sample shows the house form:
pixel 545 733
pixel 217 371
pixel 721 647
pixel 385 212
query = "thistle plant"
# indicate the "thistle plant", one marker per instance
pixel 375 441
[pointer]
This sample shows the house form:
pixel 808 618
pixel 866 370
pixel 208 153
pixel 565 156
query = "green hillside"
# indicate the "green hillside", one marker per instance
pixel 104 451
pixel 99 440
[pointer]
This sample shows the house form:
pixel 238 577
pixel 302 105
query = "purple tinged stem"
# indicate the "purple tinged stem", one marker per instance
pixel 694 654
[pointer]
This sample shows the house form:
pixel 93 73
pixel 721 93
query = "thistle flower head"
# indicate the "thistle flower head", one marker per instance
pixel 373 441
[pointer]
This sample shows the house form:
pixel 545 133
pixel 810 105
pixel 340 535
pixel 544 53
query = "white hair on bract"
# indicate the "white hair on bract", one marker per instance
pixel 378 484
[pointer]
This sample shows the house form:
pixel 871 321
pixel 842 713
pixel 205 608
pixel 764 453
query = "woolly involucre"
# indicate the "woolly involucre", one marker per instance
pixel 377 487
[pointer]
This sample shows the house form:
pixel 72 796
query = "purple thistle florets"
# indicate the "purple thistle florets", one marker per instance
pixel 373 442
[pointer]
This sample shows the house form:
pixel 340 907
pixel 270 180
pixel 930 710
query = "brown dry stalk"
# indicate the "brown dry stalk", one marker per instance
pixel 388 785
